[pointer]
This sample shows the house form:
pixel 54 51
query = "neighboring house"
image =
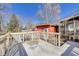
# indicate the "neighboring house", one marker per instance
pixel 69 28
pixel 46 32
pixel 46 28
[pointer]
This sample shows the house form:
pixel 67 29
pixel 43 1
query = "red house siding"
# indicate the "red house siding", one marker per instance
pixel 51 28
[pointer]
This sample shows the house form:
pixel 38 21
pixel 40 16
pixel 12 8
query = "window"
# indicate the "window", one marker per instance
pixel 77 26
pixel 71 27
pixel 46 30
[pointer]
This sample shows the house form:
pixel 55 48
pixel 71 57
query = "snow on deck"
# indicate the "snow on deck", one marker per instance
pixel 72 50
pixel 43 48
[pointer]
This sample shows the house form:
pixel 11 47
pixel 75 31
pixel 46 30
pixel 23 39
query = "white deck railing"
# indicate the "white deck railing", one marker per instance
pixel 53 38
pixel 4 43
pixel 6 40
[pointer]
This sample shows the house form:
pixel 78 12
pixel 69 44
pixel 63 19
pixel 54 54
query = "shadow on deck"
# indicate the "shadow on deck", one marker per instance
pixel 16 50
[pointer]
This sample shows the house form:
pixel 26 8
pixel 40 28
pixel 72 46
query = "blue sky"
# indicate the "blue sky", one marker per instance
pixel 30 10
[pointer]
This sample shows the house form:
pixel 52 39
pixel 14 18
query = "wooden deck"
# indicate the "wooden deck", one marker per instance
pixel 7 40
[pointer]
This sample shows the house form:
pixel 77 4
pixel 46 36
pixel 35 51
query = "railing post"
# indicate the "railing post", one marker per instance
pixel 7 42
pixel 59 39
pixel 47 36
pixel 19 37
pixel 56 39
pixel 32 35
pixel 23 37
pixel 5 47
pixel 2 49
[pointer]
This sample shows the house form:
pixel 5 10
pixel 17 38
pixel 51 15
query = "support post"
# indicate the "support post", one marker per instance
pixel 59 40
pixel 32 35
pixel 5 46
pixel 65 29
pixel 7 42
pixel 23 37
pixel 56 39
pixel 74 31
pixel 59 36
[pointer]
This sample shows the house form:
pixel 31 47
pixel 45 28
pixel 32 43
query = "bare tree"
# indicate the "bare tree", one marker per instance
pixel 50 13
pixel 29 25
pixel 13 25
pixel 1 21
pixel 3 7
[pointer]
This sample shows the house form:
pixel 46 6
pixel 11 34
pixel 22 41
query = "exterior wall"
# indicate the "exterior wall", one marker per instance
pixel 39 30
pixel 50 28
